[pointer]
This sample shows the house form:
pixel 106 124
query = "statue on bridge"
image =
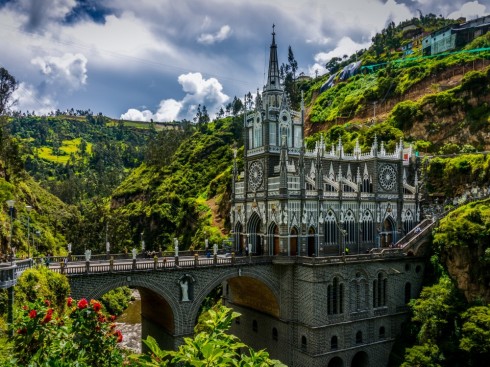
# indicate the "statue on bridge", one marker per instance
pixel 184 286
pixel 176 247
pixel 134 253
pixel 88 255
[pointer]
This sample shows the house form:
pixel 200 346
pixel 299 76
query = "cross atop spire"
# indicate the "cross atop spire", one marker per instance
pixel 273 81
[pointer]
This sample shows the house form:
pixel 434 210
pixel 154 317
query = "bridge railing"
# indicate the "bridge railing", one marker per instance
pixel 7 275
pixel 165 263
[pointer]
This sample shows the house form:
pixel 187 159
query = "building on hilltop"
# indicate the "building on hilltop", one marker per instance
pixel 316 212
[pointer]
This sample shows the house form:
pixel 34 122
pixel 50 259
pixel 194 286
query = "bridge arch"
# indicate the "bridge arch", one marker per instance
pixel 241 278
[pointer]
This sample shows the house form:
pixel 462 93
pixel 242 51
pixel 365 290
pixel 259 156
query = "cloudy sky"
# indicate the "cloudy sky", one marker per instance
pixel 159 59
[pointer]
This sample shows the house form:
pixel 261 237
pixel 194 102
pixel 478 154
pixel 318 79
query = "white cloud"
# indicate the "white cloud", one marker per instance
pixel 68 70
pixel 469 10
pixel 27 98
pixel 221 35
pixel 136 115
pixel 199 91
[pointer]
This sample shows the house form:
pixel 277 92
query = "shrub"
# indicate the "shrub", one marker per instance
pixel 82 336
pixel 117 300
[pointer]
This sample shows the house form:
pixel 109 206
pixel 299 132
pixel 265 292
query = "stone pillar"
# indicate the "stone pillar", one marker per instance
pixel 155 263
pixel 196 260
pixel 87 266
pixel 111 264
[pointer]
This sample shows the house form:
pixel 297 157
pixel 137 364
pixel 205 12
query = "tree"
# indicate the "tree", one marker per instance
pixel 8 85
pixel 476 334
pixel 333 65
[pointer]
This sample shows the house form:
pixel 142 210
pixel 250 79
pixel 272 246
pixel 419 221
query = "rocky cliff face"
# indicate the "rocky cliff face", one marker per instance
pixel 468 268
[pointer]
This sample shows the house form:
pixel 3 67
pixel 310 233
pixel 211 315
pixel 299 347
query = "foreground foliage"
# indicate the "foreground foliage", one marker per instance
pixel 81 336
pixel 211 346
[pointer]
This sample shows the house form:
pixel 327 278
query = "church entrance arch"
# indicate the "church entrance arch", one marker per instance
pixel 388 232
pixel 336 362
pixel 274 239
pixel 293 242
pixel 361 359
pixel 311 241
pixel 254 230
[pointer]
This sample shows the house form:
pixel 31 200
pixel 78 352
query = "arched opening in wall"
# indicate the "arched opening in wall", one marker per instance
pixel 336 362
pixel 387 234
pixel 275 335
pixel 304 343
pixel 382 332
pixel 255 243
pixel 311 241
pixel 274 239
pixel 408 292
pixel 359 337
pixel 361 359
pixel 293 242
pixel 239 239
pixel 334 342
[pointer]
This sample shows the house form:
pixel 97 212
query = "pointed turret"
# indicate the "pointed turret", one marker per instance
pixel 273 79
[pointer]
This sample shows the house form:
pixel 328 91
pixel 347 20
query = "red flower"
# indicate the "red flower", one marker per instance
pixel 69 301
pixel 48 316
pixel 101 318
pixel 82 304
pixel 46 301
pixel 119 335
pixel 113 317
pixel 22 331
pixel 24 308
pixel 32 314
pixel 95 305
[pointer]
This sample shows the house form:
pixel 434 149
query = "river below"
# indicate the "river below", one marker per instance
pixel 130 324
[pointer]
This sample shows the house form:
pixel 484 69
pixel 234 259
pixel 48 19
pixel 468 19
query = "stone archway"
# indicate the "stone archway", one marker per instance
pixel 311 241
pixel 387 234
pixel 293 242
pixel 361 359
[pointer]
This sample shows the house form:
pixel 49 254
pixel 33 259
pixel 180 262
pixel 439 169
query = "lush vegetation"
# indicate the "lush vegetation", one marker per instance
pixel 117 300
pixel 210 346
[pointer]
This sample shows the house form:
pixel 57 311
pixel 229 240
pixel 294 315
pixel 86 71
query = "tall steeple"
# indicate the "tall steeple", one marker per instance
pixel 273 80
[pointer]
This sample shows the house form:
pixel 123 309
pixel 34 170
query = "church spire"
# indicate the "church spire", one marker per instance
pixel 273 81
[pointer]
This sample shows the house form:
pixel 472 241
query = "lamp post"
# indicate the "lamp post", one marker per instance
pixel 11 204
pixel 28 208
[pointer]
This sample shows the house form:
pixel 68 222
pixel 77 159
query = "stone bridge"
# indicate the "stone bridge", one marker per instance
pixel 173 290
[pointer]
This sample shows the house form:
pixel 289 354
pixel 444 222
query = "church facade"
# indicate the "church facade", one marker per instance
pixel 327 218
pixel 294 201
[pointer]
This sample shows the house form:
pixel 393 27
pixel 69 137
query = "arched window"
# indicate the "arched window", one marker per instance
pixel 382 333
pixel 408 292
pixel 409 221
pixel 331 229
pixel 334 342
pixel 255 327
pixel 303 343
pixel 274 334
pixel 350 228
pixel 379 290
pixel 335 297
pixel 359 337
pixel 367 228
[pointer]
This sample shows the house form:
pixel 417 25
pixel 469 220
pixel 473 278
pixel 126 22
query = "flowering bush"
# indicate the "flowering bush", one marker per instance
pixel 80 336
